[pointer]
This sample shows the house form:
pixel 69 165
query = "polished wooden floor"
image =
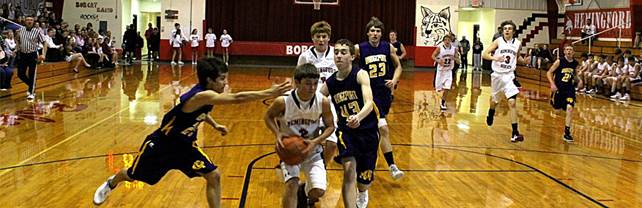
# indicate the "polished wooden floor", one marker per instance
pixel 55 152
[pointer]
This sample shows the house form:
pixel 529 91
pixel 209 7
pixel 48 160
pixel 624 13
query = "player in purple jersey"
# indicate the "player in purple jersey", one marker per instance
pixel 379 59
pixel 173 145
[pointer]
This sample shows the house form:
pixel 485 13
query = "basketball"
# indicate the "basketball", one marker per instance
pixel 292 152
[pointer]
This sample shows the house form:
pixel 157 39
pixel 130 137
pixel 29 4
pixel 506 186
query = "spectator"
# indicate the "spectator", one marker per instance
pixel 478 48
pixel 6 72
pixel 176 41
pixel 155 42
pixel 73 54
pixel 148 38
pixel 463 50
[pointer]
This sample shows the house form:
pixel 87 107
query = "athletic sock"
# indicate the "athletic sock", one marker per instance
pixel 389 158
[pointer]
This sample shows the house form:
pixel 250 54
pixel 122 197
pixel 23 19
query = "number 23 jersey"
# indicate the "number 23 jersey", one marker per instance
pixel 508 50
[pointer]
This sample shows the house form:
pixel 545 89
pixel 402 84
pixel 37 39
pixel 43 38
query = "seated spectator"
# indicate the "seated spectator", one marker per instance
pixel 52 55
pixel 6 71
pixel 10 44
pixel 73 54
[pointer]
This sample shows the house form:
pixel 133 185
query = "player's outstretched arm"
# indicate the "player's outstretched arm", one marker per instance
pixel 212 98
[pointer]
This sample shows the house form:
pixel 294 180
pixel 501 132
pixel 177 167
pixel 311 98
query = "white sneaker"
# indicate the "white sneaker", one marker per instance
pixel 591 91
pixel 362 199
pixel 395 172
pixel 616 96
pixel 31 96
pixel 517 138
pixel 625 97
pixel 3 89
pixel 181 63
pixel 582 90
pixel 173 63
pixel 103 191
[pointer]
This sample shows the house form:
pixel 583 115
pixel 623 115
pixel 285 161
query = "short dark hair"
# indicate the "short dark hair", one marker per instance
pixel 306 71
pixel 627 51
pixel 209 67
pixel 376 23
pixel 508 22
pixel 348 43
pixel 585 55
pixel 631 59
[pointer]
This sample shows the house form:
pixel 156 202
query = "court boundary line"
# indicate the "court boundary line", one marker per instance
pixel 270 144
pixel 585 196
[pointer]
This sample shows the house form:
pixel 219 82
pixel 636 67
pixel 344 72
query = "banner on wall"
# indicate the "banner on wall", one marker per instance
pixel 433 23
pixel 602 19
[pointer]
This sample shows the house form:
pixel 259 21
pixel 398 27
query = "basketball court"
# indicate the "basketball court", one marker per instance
pixel 80 130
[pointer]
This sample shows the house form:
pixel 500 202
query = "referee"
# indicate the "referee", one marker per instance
pixel 27 41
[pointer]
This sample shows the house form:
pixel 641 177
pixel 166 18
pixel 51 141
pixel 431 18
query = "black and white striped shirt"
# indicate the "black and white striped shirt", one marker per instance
pixel 28 39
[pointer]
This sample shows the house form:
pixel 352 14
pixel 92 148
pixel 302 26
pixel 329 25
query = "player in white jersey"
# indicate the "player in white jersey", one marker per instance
pixel 632 77
pixel 322 56
pixel 446 56
pixel 504 63
pixel 226 41
pixel 298 114
pixel 614 77
pixel 210 42
pixel 597 74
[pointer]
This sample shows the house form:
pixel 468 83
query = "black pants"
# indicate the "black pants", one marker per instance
pixel 464 60
pixel 28 61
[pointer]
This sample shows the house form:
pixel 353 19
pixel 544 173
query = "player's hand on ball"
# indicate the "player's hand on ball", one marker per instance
pixel 222 129
pixel 353 121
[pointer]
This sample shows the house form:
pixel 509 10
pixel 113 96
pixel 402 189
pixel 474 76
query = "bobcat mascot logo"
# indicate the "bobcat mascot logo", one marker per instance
pixel 434 26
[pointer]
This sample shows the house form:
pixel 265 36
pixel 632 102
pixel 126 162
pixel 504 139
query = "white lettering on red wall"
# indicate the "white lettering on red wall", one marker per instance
pixel 295 49
pixel 602 19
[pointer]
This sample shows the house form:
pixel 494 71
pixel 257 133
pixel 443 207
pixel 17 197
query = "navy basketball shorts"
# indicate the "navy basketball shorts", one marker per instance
pixel 561 98
pixel 156 158
pixel 383 100
pixel 362 145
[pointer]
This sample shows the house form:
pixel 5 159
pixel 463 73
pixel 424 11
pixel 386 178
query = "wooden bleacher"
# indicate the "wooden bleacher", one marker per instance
pixel 50 73
pixel 533 76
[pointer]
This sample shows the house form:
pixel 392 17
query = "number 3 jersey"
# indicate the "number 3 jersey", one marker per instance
pixel 508 50
pixel 301 118
pixel 565 75
pixel 347 98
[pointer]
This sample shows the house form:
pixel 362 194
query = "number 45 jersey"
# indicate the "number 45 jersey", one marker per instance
pixel 508 50
pixel 347 98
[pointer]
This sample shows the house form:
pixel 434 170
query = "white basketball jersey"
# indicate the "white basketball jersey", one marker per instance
pixel 601 67
pixel 632 70
pixel 324 62
pixel 622 70
pixel 507 49
pixel 211 40
pixel 448 55
pixel 301 118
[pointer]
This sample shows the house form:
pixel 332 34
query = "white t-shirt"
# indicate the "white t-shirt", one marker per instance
pixel 194 39
pixel 301 118
pixel 210 40
pixel 509 50
pixel 226 40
